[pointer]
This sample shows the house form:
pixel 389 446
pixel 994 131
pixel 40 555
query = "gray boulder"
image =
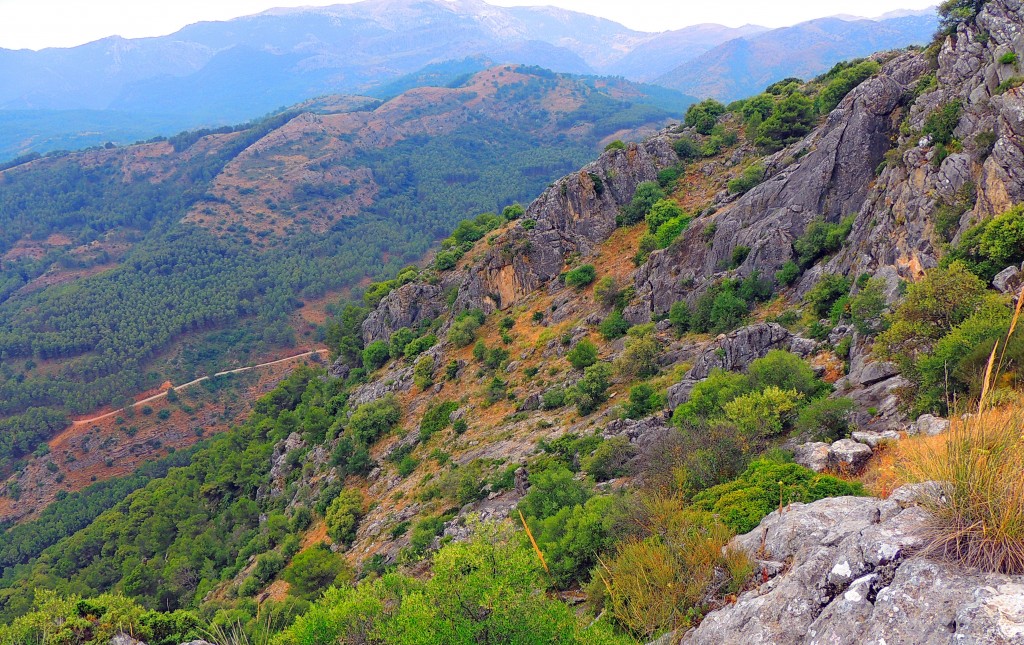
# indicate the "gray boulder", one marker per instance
pixel 872 438
pixel 847 455
pixel 930 425
pixel 1008 280
pixel 840 571
pixel 813 455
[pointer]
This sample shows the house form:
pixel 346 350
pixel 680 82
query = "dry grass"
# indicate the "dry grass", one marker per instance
pixel 978 512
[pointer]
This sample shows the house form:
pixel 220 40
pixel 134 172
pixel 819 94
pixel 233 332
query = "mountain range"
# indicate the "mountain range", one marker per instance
pixel 216 73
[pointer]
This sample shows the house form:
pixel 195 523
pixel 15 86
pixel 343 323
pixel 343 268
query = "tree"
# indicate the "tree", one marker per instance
pixel 583 355
pixel 703 116
pixel 591 390
pixel 315 569
pixel 792 118
pixel 639 358
pixel 376 354
pixel 343 515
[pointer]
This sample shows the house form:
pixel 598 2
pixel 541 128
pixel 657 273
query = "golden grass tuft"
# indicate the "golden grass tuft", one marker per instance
pixel 978 509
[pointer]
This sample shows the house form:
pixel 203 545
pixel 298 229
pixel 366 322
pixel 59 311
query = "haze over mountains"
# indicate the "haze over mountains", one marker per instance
pixel 216 73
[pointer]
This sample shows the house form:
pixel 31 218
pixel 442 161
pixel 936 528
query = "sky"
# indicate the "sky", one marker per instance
pixel 35 24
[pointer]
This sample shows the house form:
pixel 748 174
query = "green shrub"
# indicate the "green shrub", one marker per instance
pixel 613 326
pixel 646 195
pixel 742 503
pixel 591 391
pixel 763 414
pixel 639 357
pixel 643 401
pixel 553 398
pixel 788 274
pixel 436 418
pixel 462 333
pixel 992 245
pixel 581 276
pixel 662 211
pixel 867 307
pixel 670 230
pixel 574 537
pixel 583 355
pixel 825 419
pixel 606 291
pixel 791 119
pixel 843 82
pixel 751 176
pixel 551 490
pixel 821 238
pixel 786 371
pixel 739 256
pixel 679 315
pixel 1008 58
pixel 687 149
pixel 703 116
pixel 375 355
pixel 942 121
pixel 343 515
pixel 709 396
pixel 372 420
pixel 824 294
pixel 615 145
pixel 399 339
pixel 1011 83
pixel 423 372
pixel 315 569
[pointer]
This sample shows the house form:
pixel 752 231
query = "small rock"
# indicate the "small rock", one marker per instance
pixel 872 438
pixel 1008 280
pixel 531 402
pixel 848 455
pixel 813 455
pixel 930 425
pixel 124 639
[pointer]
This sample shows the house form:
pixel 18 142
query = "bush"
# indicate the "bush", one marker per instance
pixel 739 256
pixel 423 372
pixel 679 315
pixel 462 333
pixel 719 309
pixel 591 390
pixel 613 326
pixel 375 355
pixel 315 569
pixel 643 400
pixel 942 121
pixel 573 538
pixel 1008 58
pixel 670 230
pixel 792 118
pixel 646 195
pixel 829 289
pixel 583 355
pixel 639 358
pixel 991 246
pixel 553 398
pixel 436 418
pixel 825 420
pixel 821 238
pixel 419 345
pixel 763 414
pixel 703 116
pixel 788 274
pixel 551 490
pixel 581 276
pixel 751 176
pixel 687 149
pixel 766 485
pixel 662 211
pixel 615 145
pixel 709 396
pixel 343 515
pixel 606 291
pixel 783 370
pixel 867 307
pixel 843 82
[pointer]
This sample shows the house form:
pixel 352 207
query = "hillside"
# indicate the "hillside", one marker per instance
pixel 695 391
pixel 125 267
pixel 743 66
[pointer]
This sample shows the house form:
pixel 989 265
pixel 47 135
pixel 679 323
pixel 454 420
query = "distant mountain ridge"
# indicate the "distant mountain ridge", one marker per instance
pixel 217 73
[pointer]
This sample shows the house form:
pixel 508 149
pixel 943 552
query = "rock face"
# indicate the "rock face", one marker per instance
pixel 851 579
pixel 736 351
pixel 404 307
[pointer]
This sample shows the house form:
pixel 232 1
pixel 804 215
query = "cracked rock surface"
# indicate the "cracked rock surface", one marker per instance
pixel 848 575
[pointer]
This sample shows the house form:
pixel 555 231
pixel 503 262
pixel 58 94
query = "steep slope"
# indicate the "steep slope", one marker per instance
pixel 745 65
pixel 172 259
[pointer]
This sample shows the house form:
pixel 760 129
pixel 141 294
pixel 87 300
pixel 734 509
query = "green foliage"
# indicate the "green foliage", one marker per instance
pixel 398 341
pixel 763 487
pixel 581 276
pixel 436 418
pixel 662 211
pixel 821 238
pixel 462 333
pixel 679 315
pixel 615 145
pixel 725 305
pixel 825 419
pixel 376 354
pixel 670 230
pixel 992 245
pixel 784 370
pixel 313 570
pixel 703 116
pixel 423 372
pixel 955 12
pixel 574 537
pixel 553 398
pixel 606 291
pixel 639 357
pixel 867 307
pixel 826 292
pixel 343 515
pixel 372 420
pixel 1011 83
pixel 591 390
pixel 419 345
pixel 751 176
pixel 842 81
pixel 583 355
pixel 942 121
pixel 647 194
pixel 788 274
pixel 551 490
pixel 791 119
pixel 763 414
pixel 709 396
pixel 1008 58
pixel 687 149
pixel 613 326
pixel 643 401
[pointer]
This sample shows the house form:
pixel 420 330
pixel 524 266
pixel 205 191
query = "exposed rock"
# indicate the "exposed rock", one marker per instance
pixel 531 402
pixel 847 455
pixel 841 573
pixel 124 639
pixel 930 425
pixel 1008 280
pixel 872 439
pixel 736 351
pixel 813 455
pixel 405 306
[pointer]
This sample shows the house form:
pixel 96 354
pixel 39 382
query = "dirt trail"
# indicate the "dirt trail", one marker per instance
pixel 184 386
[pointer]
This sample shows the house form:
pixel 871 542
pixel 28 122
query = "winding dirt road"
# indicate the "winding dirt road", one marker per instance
pixel 183 386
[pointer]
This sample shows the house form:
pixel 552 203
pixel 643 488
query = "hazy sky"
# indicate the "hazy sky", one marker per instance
pixel 61 23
